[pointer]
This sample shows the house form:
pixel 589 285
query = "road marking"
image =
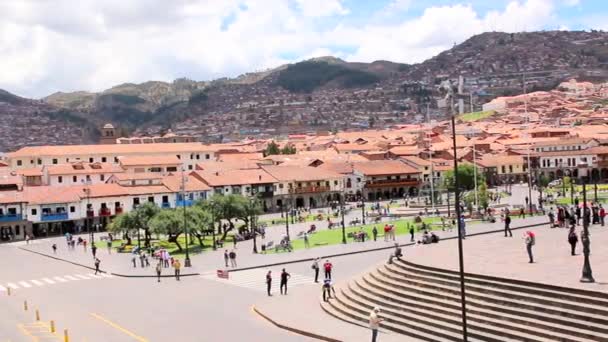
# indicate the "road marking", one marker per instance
pixel 82 277
pixel 69 277
pixel 37 282
pixel 119 328
pixel 93 275
pixel 24 284
pixel 38 331
pixel 60 279
pixel 48 281
pixel 256 279
pixel 12 286
pixel 106 275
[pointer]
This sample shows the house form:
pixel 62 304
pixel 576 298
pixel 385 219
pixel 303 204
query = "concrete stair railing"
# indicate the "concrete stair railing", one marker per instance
pixel 424 302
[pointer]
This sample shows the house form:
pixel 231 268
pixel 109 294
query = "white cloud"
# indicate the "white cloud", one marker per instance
pixel 65 45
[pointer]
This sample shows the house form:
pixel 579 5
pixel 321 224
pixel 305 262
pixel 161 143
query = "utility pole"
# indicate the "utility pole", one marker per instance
pixel 587 276
pixel 187 262
pixel 430 147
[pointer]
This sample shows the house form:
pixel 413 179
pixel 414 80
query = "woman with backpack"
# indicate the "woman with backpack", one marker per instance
pixel 530 240
pixel 572 240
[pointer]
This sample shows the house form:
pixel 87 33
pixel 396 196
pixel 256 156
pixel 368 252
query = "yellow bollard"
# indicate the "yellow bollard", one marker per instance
pixel 25 305
pixel 37 315
pixel 53 327
pixel 66 338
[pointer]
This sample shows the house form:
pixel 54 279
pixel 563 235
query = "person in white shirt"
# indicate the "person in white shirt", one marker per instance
pixel 374 322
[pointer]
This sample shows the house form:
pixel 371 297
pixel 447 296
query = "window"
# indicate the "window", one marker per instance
pixel 191 156
pixel 39 161
pixel 198 156
pixel 19 163
pixel 91 160
pixel 74 179
pixel 88 178
pixel 17 230
pixel 54 160
pixel 60 179
pixel 104 159
pixel 155 169
pixel 31 161
pixel 102 177
pixel 510 168
pixel 207 156
pixel 171 169
pixel 151 199
pixel 246 189
pixel 335 182
pixel 189 167
pixel 34 212
pixel 72 209
pixel 281 186
pixel 116 159
pixel 503 169
pixel 178 156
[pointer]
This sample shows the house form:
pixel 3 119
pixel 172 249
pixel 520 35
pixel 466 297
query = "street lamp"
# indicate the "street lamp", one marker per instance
pixel 587 276
pixel 343 226
pixel 252 223
pixel 87 192
pixel 460 237
pixel 187 262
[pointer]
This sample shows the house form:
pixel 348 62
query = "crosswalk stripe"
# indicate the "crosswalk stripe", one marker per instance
pixel 37 282
pixel 93 275
pixel 12 286
pixel 24 284
pixel 69 277
pixel 48 281
pixel 105 275
pixel 256 279
pixel 82 277
pixel 60 279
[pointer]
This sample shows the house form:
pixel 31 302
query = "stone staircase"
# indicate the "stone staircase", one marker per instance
pixel 424 303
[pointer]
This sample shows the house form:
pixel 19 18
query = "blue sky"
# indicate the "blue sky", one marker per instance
pixel 91 45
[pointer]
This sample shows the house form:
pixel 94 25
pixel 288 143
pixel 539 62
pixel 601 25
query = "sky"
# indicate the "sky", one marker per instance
pixel 67 45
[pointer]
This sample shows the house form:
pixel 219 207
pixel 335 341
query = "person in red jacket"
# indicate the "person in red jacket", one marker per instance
pixel 602 215
pixel 327 266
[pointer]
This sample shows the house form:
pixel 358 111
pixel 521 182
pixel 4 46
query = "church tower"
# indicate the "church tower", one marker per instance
pixel 108 135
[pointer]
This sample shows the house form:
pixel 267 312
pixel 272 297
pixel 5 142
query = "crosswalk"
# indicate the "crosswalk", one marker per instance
pixel 52 280
pixel 255 279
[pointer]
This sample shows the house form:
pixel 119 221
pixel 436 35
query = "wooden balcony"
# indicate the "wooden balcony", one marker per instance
pixel 309 189
pixel 391 183
pixel 105 212
pixel 118 210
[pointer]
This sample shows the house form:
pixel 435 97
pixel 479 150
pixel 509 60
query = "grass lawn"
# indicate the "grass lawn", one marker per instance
pixel 474 116
pixel 590 198
pixel 195 248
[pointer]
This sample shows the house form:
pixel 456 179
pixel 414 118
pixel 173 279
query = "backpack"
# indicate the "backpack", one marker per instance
pixel 532 240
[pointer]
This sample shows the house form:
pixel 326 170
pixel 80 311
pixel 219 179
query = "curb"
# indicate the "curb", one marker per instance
pixel 375 249
pixel 294 330
pixel 102 271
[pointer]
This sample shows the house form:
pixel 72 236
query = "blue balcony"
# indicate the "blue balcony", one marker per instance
pixel 180 203
pixel 11 217
pixel 55 217
pixel 165 205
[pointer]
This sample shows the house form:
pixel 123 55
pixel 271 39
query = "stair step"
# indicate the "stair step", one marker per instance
pixel 500 322
pixel 575 295
pixel 437 323
pixel 582 322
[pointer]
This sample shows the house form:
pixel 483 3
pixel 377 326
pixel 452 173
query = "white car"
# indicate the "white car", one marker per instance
pixel 557 182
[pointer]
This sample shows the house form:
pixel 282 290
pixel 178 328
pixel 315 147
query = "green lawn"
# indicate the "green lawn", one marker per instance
pixel 195 248
pixel 475 116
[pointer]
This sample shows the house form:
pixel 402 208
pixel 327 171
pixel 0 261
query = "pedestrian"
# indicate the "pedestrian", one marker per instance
pixel 134 261
pixel 268 282
pixel 315 266
pixel 94 251
pixel 177 266
pixel 234 241
pixel 375 232
pixel 27 239
pixel 374 323
pixel 109 245
pixel 142 256
pixel 551 218
pixel 462 227
pixel 84 243
pixel 159 268
pixel 326 288
pixel 97 262
pixel 232 256
pixel 411 233
pixel 578 215
pixel 572 240
pixel 522 213
pixel 507 225
pixel 146 260
pixel 306 242
pixel 226 257
pixel 54 246
pixel 284 277
pixel 602 213
pixel 166 258
pixel 327 266
pixel 530 240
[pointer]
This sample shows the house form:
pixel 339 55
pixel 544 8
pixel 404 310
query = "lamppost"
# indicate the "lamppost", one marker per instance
pixel 460 235
pixel 587 276
pixel 87 192
pixel 362 208
pixel 571 190
pixel 343 226
pixel 187 262
pixel 252 223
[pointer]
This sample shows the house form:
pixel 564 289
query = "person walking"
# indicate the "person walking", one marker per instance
pixel 97 263
pixel 462 226
pixel 326 288
pixel 177 266
pixel 315 267
pixel 375 233
pixel 551 218
pixel 84 244
pixel 572 240
pixel 508 225
pixel 226 257
pixel 412 233
pixel 159 269
pixel 602 213
pixel 268 282
pixel 306 242
pixel 232 257
pixel 94 251
pixel 374 323
pixel 530 240
pixel 327 266
pixel 234 241
pixel 109 245
pixel 134 261
pixel 284 277
pixel 54 246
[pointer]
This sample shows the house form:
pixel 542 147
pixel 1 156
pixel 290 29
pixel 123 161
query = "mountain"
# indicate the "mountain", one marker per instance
pixel 330 93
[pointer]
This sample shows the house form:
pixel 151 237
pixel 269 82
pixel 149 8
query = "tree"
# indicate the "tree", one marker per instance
pixel 134 221
pixel 229 208
pixel 200 219
pixel 466 177
pixel 542 182
pixel 288 149
pixel 170 223
pixel 272 149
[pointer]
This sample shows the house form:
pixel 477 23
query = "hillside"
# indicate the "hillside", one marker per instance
pixel 327 93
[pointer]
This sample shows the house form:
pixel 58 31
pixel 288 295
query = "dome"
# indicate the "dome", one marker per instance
pixel 108 126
